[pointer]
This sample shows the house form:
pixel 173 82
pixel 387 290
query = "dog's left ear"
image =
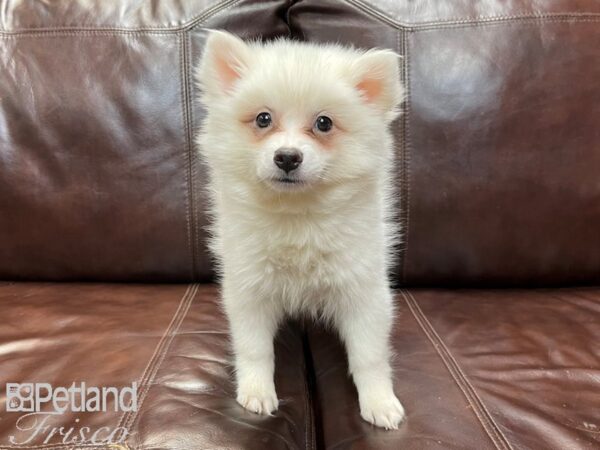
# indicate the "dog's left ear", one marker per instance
pixel 224 62
pixel 377 77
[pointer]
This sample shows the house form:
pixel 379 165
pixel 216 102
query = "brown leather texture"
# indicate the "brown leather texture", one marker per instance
pixel 497 148
pixel 497 168
pixel 170 339
pixel 497 160
pixel 99 178
pixel 477 369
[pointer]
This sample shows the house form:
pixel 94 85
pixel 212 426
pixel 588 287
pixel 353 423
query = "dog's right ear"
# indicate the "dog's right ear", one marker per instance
pixel 224 61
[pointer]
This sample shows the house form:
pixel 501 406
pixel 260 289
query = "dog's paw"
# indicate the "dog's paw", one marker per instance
pixel 260 401
pixel 382 411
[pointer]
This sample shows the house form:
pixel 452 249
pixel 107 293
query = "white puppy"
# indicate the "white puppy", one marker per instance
pixel 300 156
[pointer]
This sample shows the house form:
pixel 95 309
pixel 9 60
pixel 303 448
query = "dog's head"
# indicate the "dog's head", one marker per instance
pixel 289 116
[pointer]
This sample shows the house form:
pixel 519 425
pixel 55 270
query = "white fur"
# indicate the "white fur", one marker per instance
pixel 319 247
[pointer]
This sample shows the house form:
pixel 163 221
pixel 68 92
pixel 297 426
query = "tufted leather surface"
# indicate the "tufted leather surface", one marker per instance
pixel 477 369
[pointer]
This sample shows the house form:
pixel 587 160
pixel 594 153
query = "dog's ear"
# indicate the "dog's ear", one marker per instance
pixel 377 76
pixel 224 61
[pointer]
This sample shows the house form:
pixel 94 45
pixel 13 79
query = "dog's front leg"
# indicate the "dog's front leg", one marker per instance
pixel 253 325
pixel 364 323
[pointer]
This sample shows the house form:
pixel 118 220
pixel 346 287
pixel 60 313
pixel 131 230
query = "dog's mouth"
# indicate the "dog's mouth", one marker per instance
pixel 287 180
pixel 287 183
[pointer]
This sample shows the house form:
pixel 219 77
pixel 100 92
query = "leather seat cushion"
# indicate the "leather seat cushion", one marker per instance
pixel 480 369
pixel 171 339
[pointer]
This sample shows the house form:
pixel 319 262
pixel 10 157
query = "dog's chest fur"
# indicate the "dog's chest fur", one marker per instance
pixel 302 258
pixel 290 248
pixel 300 248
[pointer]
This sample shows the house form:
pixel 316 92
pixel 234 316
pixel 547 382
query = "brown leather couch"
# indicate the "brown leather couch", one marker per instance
pixel 102 229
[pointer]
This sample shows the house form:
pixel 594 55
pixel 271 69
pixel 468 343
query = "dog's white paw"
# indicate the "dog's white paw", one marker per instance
pixel 260 401
pixel 382 411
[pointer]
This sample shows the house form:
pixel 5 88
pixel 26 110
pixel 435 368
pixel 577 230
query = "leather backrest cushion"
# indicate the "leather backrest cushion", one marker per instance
pixel 498 155
pixel 99 178
pixel 499 144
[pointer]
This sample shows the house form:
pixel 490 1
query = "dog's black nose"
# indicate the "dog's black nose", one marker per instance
pixel 287 159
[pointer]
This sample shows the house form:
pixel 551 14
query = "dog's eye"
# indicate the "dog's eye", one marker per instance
pixel 263 120
pixel 323 124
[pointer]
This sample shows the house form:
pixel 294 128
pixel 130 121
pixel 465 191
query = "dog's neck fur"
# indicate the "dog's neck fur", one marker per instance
pixel 333 199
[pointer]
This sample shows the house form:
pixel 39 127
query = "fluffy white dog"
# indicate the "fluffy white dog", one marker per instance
pixel 300 156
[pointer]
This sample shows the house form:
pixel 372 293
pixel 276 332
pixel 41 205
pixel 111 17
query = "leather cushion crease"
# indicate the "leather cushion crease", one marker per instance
pixel 497 169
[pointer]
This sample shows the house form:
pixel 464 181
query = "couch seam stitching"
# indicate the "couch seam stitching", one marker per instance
pixel 187 169
pixel 86 33
pixel 59 446
pixel 461 372
pixel 521 21
pixel 220 10
pixel 159 345
pixel 461 380
pixel 458 22
pixel 406 155
pixel 62 446
pixel 399 152
pixel 193 22
pixel 170 334
pixel 189 160
pixel 193 150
